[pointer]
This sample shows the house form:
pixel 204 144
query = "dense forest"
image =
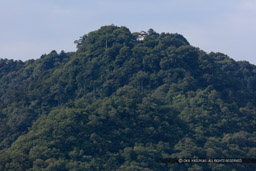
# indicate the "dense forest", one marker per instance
pixel 123 103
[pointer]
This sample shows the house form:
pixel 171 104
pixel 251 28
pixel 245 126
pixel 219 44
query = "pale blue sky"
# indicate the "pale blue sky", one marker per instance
pixel 30 28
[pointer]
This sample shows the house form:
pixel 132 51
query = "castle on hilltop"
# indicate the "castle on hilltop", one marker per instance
pixel 142 35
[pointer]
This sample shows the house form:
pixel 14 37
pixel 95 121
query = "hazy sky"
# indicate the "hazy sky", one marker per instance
pixel 30 28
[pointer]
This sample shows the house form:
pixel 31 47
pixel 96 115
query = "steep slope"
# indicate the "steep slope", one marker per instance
pixel 123 104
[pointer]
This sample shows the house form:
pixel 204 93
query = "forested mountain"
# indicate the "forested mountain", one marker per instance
pixel 119 103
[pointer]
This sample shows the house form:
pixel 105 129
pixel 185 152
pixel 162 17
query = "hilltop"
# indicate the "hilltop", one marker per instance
pixel 123 103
